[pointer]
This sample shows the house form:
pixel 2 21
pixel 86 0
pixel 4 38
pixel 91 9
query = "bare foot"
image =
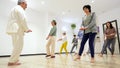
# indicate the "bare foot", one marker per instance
pixel 75 54
pixel 66 53
pixel 101 55
pixel 84 54
pixel 113 55
pixel 92 60
pixel 13 64
pixel 77 58
pixel 59 54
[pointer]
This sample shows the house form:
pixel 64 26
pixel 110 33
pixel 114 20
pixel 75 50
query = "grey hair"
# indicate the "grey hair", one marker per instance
pixel 21 1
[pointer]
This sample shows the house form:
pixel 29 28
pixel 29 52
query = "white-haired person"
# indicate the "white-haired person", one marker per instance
pixel 16 27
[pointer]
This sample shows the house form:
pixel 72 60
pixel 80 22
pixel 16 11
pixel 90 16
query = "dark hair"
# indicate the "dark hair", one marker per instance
pixel 74 35
pixel 88 7
pixel 64 33
pixel 111 26
pixel 54 22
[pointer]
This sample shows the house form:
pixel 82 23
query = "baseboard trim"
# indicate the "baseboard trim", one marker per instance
pixel 41 54
pixel 30 54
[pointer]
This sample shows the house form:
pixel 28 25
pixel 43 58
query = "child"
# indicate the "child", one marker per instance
pixel 64 44
pixel 75 43
pixel 80 35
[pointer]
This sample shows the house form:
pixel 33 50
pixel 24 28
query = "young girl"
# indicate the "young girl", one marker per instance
pixel 64 44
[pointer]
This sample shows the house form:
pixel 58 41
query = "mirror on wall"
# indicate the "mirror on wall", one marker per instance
pixel 117 43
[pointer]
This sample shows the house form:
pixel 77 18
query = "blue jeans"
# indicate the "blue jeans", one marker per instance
pixel 104 51
pixel 110 43
pixel 91 37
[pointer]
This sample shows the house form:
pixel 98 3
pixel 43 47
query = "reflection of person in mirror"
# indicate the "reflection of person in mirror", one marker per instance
pixel 16 28
pixel 110 39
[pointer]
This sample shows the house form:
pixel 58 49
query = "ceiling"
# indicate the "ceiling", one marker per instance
pixel 70 9
pixel 73 6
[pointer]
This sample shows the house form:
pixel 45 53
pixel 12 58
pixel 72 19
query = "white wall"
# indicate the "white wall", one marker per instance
pixel 5 42
pixel 109 16
pixel 39 23
pixel 34 42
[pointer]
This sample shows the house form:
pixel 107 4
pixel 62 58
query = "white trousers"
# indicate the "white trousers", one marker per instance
pixel 17 40
pixel 50 47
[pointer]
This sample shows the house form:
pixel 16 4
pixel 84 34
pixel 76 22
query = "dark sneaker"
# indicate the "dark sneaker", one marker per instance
pixel 52 56
pixel 47 55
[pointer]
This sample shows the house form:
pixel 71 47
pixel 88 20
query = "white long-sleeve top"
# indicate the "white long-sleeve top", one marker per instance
pixel 17 21
pixel 64 38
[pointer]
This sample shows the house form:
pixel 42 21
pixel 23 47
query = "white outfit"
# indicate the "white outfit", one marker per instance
pixel 16 27
pixel 64 39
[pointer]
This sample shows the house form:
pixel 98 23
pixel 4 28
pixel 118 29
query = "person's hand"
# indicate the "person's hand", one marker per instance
pixel 108 35
pixel 111 34
pixel 29 31
pixel 83 28
pixel 47 38
pixel 58 40
pixel 105 38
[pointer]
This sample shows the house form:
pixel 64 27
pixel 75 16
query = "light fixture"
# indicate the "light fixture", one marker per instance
pixel 14 0
pixel 92 1
pixel 63 13
pixel 42 2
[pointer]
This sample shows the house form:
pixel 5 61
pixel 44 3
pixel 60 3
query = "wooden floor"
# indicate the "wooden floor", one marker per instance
pixel 63 61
